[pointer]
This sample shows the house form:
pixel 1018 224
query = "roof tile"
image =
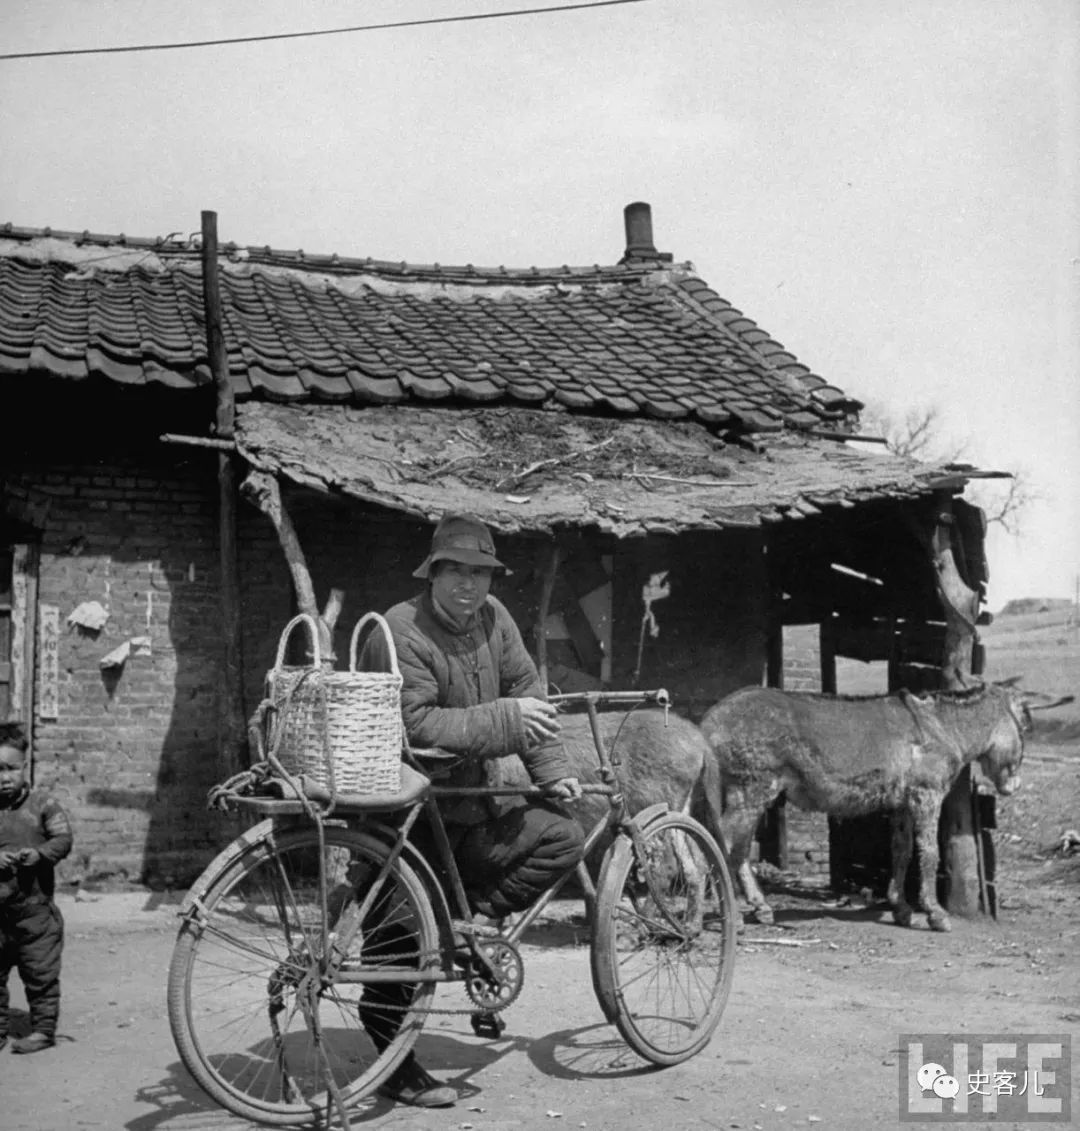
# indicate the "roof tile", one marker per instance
pixel 426 388
pixel 105 365
pixel 277 386
pixel 636 339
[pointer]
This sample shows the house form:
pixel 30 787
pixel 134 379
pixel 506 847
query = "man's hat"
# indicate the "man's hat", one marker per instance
pixel 461 538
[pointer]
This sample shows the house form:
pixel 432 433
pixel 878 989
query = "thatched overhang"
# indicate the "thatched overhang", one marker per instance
pixel 540 471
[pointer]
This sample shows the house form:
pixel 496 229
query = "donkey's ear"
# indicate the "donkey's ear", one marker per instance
pixel 1037 701
pixel 1012 681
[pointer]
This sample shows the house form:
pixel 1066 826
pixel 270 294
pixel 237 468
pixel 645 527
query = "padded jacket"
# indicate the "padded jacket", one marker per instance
pixel 458 692
pixel 32 820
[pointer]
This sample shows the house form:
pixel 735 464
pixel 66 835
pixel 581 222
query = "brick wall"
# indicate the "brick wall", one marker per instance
pixel 807 833
pixel 132 749
pixel 802 657
pixel 808 844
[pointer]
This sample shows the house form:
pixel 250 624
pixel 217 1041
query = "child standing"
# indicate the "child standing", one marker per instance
pixel 34 835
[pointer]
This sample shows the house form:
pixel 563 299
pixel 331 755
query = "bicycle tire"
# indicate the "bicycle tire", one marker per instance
pixel 237 967
pixel 663 980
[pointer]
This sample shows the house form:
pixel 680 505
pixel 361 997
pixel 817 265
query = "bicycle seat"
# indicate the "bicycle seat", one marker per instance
pixel 414 786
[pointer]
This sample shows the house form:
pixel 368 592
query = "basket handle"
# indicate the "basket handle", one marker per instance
pixel 286 632
pixel 381 622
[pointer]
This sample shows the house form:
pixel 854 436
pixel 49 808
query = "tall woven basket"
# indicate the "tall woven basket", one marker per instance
pixel 340 729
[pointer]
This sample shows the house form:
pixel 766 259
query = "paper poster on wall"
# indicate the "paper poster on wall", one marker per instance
pixel 48 706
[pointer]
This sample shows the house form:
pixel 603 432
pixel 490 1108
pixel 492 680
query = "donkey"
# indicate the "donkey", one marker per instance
pixel 662 756
pixel 849 756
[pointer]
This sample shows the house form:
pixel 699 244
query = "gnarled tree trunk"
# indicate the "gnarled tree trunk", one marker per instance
pixel 961 604
pixel 262 489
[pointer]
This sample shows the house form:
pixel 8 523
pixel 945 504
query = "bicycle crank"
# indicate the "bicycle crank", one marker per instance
pixel 499 985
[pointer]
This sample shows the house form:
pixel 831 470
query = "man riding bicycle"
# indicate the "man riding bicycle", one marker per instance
pixel 471 688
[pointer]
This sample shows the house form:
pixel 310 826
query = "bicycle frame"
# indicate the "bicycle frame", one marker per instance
pixel 453 904
pixel 617 820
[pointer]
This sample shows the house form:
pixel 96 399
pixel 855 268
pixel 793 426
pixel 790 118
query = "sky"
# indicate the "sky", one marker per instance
pixel 891 190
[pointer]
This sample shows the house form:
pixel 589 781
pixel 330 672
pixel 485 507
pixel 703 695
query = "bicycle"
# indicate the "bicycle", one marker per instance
pixel 300 929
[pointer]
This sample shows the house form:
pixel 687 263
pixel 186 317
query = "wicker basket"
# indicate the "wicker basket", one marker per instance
pixel 340 729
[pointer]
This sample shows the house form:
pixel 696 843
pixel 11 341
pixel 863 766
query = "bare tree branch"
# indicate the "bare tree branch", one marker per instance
pixel 1006 501
pixel 917 435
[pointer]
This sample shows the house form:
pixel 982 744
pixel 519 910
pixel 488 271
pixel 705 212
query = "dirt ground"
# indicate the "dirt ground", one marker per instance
pixel 809 1038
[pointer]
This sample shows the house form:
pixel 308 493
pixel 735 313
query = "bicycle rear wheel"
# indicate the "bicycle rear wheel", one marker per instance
pixel 255 1024
pixel 663 948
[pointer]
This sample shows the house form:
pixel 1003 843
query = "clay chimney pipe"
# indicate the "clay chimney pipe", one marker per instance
pixel 639 237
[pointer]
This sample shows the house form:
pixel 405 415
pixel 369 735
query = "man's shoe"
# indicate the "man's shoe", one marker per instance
pixel 36 1042
pixel 410 1084
pixel 479 927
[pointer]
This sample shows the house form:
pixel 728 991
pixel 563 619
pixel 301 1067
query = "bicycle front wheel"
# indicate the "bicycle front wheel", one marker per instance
pixel 663 948
pixel 270 1019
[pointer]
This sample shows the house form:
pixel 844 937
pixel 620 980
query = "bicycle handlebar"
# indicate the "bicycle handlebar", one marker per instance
pixel 510 791
pixel 428 760
pixel 659 696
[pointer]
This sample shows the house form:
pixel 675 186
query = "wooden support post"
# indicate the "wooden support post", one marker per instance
pixel 772 833
pixel 961 605
pixel 774 641
pixel 774 655
pixel 262 490
pixel 892 668
pixel 551 570
pixel 232 728
pixel 827 654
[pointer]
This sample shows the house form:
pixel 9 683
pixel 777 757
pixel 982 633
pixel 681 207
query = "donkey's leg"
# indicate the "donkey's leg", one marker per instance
pixel 693 883
pixel 902 824
pixel 744 809
pixel 927 813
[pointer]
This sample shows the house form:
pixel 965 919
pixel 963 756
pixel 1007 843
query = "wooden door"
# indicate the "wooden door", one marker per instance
pixel 18 623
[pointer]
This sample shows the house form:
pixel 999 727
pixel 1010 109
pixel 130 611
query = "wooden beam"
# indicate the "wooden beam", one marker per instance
pixel 215 334
pixel 199 441
pixel 887 638
pixel 231 712
pixel 827 434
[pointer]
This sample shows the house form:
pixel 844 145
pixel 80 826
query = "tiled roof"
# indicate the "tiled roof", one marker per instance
pixel 524 469
pixel 640 339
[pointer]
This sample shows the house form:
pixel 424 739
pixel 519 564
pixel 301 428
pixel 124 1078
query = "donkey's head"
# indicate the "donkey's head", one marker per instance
pixel 1011 724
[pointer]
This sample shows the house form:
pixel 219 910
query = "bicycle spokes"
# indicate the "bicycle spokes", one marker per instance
pixel 664 949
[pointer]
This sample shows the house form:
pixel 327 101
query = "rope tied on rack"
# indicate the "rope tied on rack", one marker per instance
pixel 267 774
pixel 278 731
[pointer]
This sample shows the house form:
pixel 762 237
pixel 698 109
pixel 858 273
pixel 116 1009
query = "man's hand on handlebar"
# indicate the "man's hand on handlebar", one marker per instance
pixel 565 789
pixel 540 720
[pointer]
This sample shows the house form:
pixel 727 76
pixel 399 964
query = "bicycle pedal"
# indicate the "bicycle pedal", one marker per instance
pixel 489 1025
